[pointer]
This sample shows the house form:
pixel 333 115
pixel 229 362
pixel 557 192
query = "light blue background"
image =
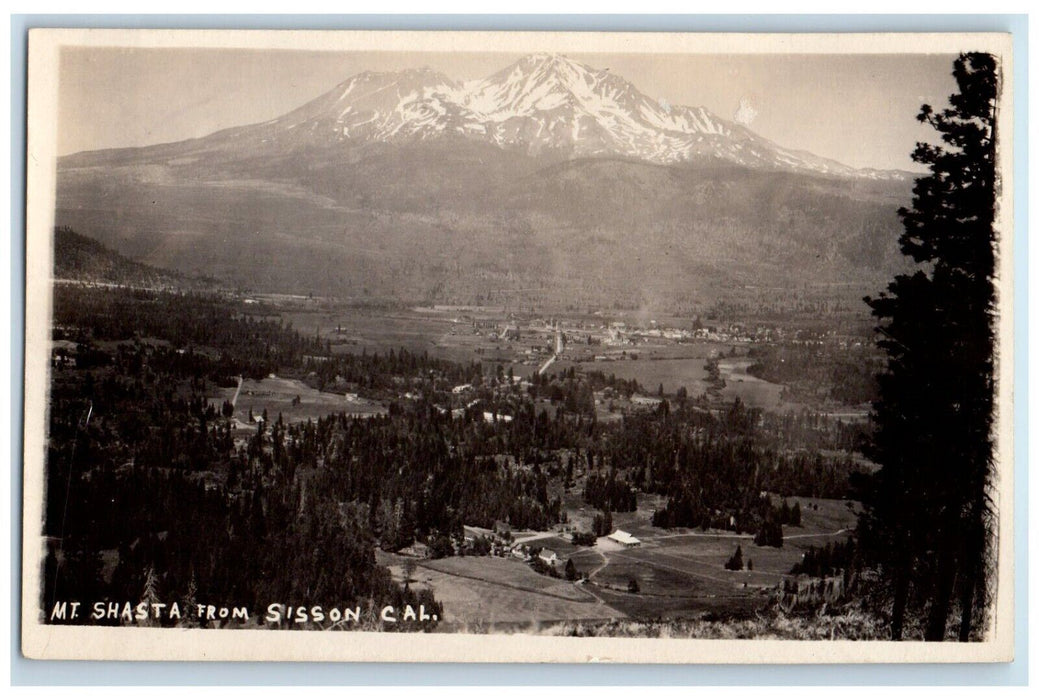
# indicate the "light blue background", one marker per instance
pixel 25 672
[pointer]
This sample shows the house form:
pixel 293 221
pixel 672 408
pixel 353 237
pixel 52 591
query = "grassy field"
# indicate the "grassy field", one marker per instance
pixel 587 559
pixel 276 395
pixel 683 571
pixel 823 515
pixel 643 606
pixel 680 573
pixel 563 547
pixel 357 330
pixel 755 392
pixel 651 373
pixel 447 336
pixel 683 366
pixel 484 594
pixel 452 335
pixel 580 515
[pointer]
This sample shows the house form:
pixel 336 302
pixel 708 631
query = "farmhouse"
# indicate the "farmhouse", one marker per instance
pixel 502 528
pixel 549 557
pixel 63 353
pixel 625 538
pixel 644 400
pixel 470 533
pixel 416 549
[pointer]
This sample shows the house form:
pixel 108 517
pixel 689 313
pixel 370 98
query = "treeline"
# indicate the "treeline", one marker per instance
pixel 827 560
pixel 424 473
pixel 572 393
pixel 146 483
pixel 252 347
pixel 808 430
pixel 820 371
pixel 760 516
pixel 609 493
pixel 148 495
pixel 598 380
pixel 713 468
pixel 391 371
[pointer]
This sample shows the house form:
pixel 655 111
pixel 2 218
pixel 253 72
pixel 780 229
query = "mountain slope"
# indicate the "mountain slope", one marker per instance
pixel 547 182
pixel 81 259
pixel 541 104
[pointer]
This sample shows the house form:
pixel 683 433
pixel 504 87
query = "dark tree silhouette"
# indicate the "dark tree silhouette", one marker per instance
pixel 928 521
pixel 735 562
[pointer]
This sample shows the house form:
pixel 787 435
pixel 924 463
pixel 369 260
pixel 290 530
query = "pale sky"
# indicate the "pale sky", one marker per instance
pixel 856 109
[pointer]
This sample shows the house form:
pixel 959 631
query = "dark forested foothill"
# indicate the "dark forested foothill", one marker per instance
pixel 153 485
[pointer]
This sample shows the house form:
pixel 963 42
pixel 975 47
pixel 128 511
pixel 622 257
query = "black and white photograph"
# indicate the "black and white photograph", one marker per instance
pixel 503 346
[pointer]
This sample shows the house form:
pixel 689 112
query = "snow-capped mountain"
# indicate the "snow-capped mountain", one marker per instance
pixel 541 103
pixel 547 181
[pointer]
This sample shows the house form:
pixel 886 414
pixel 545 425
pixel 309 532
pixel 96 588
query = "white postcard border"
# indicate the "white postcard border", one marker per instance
pixel 128 643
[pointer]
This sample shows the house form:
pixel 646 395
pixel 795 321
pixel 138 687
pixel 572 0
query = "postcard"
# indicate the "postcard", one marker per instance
pixel 527 347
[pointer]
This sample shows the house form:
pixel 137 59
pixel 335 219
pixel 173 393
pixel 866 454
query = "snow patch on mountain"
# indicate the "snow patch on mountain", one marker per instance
pixel 544 101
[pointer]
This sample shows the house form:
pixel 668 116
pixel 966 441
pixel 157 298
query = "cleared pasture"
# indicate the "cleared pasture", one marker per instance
pixel 682 571
pixel 755 392
pixel 561 546
pixel 587 559
pixel 277 395
pixel 481 593
pixel 824 515
pixel 656 579
pixel 444 336
pixel 643 606
pixel 650 373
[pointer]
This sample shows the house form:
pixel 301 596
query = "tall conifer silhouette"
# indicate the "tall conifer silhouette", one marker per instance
pixel 928 521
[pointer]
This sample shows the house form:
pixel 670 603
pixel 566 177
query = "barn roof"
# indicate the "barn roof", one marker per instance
pixel 624 537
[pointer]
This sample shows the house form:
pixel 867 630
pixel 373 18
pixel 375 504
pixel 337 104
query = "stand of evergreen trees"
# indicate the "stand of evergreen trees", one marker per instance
pixel 930 522
pixel 156 490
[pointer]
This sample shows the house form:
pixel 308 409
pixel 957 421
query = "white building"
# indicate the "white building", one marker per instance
pixel 624 538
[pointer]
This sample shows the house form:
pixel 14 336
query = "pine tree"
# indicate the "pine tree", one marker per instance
pixel 150 596
pixel 928 518
pixel 189 604
pixel 735 562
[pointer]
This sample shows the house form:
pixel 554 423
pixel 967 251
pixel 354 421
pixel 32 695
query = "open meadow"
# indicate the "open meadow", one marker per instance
pixel 292 399
pixel 680 573
pixel 653 372
pixel 483 594
pixel 751 390
pixel 472 334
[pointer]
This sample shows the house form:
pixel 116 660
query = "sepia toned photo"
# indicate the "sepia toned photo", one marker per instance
pixel 419 346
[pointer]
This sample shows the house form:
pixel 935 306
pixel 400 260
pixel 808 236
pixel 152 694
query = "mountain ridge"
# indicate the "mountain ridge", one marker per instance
pixel 541 102
pixel 79 258
pixel 294 205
